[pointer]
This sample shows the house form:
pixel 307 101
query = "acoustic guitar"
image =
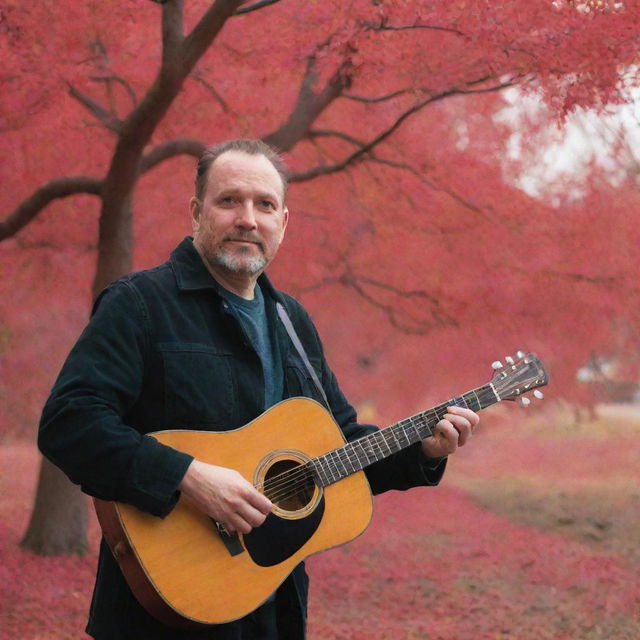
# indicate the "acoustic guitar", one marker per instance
pixel 187 571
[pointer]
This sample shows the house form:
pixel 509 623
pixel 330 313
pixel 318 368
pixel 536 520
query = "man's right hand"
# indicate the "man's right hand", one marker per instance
pixel 226 496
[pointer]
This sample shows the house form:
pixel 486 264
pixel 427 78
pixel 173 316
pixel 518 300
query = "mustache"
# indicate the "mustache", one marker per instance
pixel 243 237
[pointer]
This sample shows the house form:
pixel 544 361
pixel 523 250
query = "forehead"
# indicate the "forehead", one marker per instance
pixel 236 170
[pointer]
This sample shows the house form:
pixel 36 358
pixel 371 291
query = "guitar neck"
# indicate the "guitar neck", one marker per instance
pixel 359 454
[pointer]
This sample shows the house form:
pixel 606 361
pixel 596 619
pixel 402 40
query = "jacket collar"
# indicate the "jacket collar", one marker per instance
pixel 192 274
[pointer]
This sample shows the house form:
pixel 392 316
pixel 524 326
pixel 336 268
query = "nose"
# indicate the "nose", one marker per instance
pixel 245 215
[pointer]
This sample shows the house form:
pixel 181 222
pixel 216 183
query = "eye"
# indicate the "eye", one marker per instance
pixel 226 201
pixel 267 205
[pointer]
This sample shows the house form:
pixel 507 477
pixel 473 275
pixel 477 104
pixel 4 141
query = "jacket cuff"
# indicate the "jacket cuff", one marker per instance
pixel 432 469
pixel 154 476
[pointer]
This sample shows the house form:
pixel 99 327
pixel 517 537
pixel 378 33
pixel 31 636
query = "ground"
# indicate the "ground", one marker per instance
pixel 533 535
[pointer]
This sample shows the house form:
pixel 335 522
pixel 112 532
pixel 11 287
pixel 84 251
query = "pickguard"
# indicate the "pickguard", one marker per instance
pixel 277 539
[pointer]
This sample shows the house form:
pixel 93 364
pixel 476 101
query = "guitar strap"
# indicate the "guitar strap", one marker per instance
pixel 286 321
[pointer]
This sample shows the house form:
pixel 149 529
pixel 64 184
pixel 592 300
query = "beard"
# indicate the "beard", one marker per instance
pixel 240 261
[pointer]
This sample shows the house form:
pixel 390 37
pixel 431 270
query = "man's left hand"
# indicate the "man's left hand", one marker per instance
pixel 453 431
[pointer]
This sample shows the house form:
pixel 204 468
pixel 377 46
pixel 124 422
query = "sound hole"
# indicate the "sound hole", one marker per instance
pixel 289 485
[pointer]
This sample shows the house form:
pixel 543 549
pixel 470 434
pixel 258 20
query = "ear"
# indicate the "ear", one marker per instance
pixel 194 209
pixel 285 220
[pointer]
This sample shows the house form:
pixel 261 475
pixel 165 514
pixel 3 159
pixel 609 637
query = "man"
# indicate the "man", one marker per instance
pixel 196 343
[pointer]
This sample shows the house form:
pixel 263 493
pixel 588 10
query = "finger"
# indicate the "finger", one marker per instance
pixel 461 425
pixel 259 501
pixel 244 523
pixel 251 515
pixel 470 415
pixel 448 436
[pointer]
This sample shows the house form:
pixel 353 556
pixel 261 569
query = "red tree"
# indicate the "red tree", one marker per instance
pixel 363 97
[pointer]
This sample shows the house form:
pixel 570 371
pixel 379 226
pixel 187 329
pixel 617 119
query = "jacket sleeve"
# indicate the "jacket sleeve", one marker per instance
pixel 83 427
pixel 403 470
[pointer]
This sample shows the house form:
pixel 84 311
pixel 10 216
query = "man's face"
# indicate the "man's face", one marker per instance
pixel 240 222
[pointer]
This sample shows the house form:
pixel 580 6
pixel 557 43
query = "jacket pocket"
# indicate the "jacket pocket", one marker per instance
pixel 198 385
pixel 298 379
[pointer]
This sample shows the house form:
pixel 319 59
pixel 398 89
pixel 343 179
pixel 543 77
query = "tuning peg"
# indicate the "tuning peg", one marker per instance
pixel 509 360
pixel 524 402
pixel 538 394
pixel 520 354
pixel 497 365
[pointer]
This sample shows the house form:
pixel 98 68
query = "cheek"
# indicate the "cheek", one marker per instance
pixel 204 228
pixel 273 238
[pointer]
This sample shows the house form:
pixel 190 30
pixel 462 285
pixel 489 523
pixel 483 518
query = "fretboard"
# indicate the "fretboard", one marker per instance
pixel 358 454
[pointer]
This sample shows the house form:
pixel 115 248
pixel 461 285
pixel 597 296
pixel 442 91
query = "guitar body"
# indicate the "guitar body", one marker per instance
pixel 186 572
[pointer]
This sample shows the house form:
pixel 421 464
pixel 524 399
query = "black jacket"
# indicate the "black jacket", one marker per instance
pixel 164 350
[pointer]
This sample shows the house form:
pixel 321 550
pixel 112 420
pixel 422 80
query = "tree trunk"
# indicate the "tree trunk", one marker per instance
pixel 59 519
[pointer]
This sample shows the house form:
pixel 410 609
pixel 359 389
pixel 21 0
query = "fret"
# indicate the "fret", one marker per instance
pixel 341 461
pixel 391 441
pixel 378 452
pixel 459 402
pixel 362 445
pixel 395 437
pixel 369 448
pixel 354 460
pixel 474 401
pixel 347 457
pixel 414 428
pixel 383 440
pixel 399 437
pixel 401 434
pixel 425 429
pixel 335 476
pixel 320 472
pixel 437 413
pixel 359 454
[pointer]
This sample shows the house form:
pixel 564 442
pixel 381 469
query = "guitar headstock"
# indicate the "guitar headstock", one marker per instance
pixel 520 374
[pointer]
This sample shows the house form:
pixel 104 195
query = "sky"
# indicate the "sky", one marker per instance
pixel 557 161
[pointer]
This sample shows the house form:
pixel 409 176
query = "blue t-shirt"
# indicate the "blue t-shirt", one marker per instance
pixel 255 323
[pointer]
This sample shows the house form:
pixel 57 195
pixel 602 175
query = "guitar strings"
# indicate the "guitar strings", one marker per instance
pixel 288 483
pixel 293 481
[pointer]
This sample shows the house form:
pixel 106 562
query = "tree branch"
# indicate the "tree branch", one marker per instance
pixel 53 190
pixel 211 89
pixel 120 81
pixel 172 32
pixel 309 105
pixel 64 187
pixel 321 133
pixel 389 96
pixel 255 7
pixel 395 311
pixel 363 150
pixel 171 149
pixel 203 34
pixel 108 120
pixel 422 178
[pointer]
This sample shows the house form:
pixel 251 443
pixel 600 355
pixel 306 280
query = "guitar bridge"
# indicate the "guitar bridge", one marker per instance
pixel 230 540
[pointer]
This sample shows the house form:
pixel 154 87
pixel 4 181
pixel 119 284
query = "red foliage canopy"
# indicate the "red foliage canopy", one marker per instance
pixel 420 263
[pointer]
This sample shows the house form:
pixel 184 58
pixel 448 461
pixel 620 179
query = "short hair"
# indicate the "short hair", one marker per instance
pixel 245 145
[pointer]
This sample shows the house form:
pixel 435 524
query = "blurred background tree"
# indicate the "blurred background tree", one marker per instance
pixel 417 240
